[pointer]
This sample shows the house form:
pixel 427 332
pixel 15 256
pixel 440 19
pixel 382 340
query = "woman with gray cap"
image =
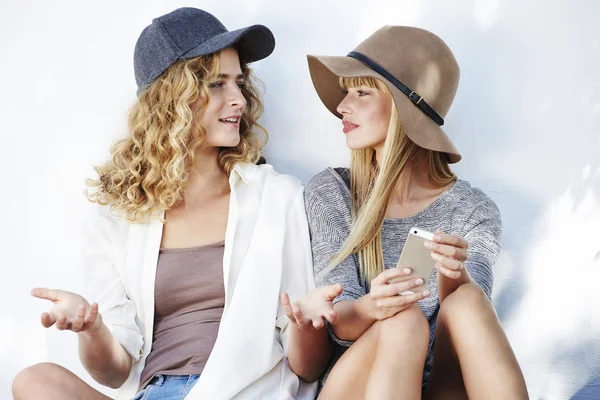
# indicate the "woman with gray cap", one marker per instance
pixel 188 243
pixel 392 94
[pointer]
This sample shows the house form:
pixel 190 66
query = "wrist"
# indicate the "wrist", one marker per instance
pixel 95 332
pixel 365 309
pixel 294 327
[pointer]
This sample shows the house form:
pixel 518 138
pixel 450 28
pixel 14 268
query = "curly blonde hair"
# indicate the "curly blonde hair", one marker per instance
pixel 149 168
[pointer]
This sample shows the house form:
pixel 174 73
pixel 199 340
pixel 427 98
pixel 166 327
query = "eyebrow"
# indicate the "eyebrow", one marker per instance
pixel 226 76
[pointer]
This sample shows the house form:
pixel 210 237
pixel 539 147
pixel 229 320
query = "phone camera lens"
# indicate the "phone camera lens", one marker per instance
pixel 415 231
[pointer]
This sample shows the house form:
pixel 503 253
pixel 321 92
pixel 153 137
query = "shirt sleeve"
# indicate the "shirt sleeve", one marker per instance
pixel 329 223
pixel 483 231
pixel 297 276
pixel 105 286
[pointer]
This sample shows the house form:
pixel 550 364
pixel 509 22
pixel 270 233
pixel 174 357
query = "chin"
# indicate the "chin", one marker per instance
pixel 234 141
pixel 226 140
pixel 361 142
pixel 357 144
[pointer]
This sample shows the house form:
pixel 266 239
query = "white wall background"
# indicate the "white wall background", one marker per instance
pixel 526 118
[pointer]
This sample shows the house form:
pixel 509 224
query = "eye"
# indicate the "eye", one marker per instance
pixel 241 84
pixel 362 93
pixel 215 85
pixel 345 91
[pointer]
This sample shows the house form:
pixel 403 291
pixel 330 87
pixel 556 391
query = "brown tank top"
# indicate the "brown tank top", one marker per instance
pixel 189 299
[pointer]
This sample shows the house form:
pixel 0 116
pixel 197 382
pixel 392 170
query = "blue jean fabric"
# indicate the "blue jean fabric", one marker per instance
pixel 167 387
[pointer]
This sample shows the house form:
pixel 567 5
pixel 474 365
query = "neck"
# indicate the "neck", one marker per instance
pixel 414 185
pixel 207 180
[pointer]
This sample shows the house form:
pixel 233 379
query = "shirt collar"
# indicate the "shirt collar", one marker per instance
pixel 241 170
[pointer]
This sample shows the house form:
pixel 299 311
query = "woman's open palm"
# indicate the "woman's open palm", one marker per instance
pixel 70 312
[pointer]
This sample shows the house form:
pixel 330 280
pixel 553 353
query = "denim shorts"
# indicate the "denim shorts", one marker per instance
pixel 167 387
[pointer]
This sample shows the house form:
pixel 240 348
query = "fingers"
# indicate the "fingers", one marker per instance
pixel 394 289
pixel 334 291
pixel 318 323
pixel 287 307
pixel 452 240
pixel 79 319
pixel 447 262
pixel 301 320
pixel 61 322
pixel 47 319
pixel 47 294
pixel 389 274
pixel 331 316
pixel 294 312
pixel 458 253
pixel 92 316
pixel 448 273
pixel 401 301
pixel 401 279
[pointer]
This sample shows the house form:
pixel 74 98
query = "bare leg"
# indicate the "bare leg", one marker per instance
pixel 52 382
pixel 385 363
pixel 348 378
pixel 446 380
pixel 473 345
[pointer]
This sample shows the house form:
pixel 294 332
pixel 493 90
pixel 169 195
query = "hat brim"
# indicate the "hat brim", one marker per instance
pixel 253 43
pixel 325 72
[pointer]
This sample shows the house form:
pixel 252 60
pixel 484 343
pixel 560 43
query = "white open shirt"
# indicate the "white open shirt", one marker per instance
pixel 267 251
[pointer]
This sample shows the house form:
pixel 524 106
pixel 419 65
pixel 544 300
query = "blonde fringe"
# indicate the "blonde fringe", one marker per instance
pixel 149 168
pixel 373 185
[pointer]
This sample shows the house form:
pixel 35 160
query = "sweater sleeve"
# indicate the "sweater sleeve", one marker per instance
pixel 483 231
pixel 329 222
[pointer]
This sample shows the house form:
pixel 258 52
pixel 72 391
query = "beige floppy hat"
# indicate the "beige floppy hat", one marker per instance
pixel 418 68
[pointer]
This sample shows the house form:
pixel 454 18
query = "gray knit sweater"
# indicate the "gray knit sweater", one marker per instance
pixel 461 210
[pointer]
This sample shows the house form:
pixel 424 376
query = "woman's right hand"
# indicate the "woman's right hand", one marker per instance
pixel 70 311
pixel 385 300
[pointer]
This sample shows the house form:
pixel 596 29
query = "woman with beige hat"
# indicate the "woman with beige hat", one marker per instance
pixel 392 94
pixel 188 243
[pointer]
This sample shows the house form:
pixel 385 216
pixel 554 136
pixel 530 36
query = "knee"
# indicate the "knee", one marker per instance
pixel 32 381
pixel 407 324
pixel 467 299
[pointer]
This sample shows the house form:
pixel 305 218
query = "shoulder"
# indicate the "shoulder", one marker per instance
pixel 475 199
pixel 327 198
pixel 101 220
pixel 99 214
pixel 330 183
pixel 270 182
pixel 473 207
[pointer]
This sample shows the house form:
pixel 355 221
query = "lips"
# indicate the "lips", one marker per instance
pixel 348 126
pixel 233 120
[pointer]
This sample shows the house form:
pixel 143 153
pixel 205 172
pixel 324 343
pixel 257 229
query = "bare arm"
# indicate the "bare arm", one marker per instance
pixel 305 338
pixel 104 358
pixel 310 346
pixel 309 351
pixel 356 316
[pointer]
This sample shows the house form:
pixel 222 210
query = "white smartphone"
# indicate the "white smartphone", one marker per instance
pixel 416 257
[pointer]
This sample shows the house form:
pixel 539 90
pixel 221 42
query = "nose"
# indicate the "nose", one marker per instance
pixel 236 98
pixel 344 106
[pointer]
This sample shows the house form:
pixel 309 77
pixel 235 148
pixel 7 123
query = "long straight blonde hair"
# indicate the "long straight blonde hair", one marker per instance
pixel 372 185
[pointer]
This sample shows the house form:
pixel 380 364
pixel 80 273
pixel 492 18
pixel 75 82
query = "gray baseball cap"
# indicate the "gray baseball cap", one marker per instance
pixel 187 33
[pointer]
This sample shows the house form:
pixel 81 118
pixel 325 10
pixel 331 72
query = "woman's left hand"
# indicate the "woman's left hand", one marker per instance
pixel 313 308
pixel 449 253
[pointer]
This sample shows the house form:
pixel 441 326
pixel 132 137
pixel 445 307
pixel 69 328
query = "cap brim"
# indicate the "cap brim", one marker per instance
pixel 325 72
pixel 253 43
